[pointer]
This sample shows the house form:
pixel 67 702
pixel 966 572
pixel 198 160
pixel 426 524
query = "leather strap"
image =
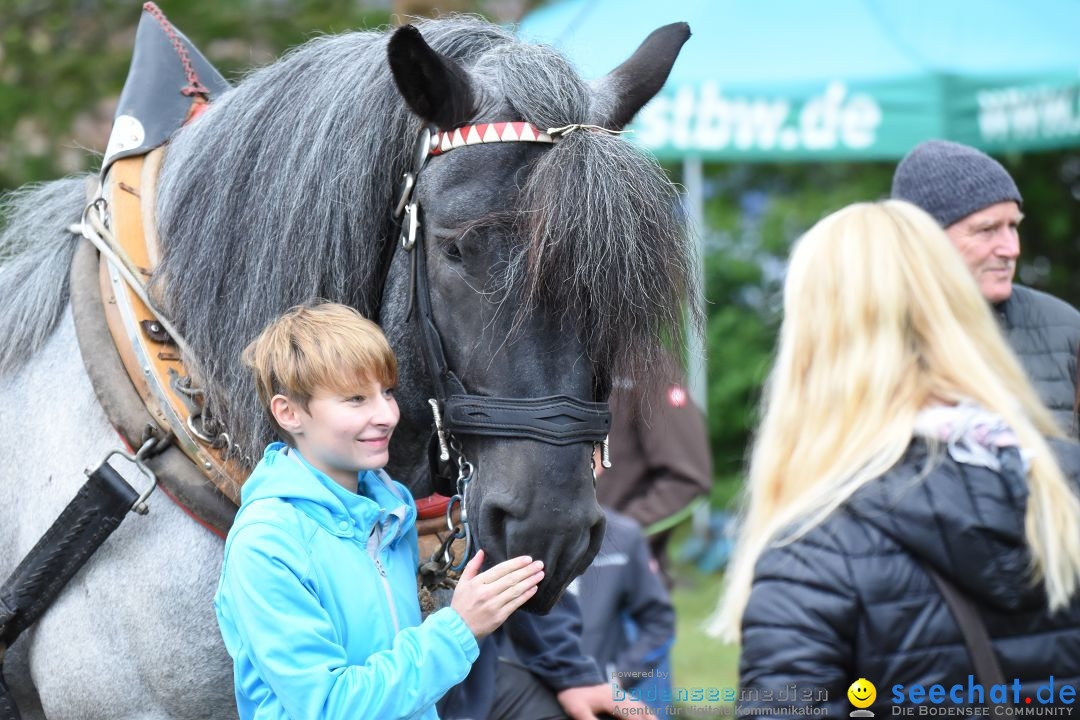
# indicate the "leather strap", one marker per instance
pixel 91 516
pixel 984 660
pixel 557 419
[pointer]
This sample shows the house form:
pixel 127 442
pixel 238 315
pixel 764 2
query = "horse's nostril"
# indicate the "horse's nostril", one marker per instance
pixel 566 538
pixel 583 556
pixel 493 520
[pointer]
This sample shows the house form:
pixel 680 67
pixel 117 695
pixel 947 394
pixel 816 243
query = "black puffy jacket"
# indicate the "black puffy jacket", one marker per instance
pixel 1045 332
pixel 850 599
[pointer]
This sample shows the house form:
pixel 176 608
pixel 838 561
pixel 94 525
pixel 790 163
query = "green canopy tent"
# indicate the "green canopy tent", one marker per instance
pixel 793 80
pixel 798 81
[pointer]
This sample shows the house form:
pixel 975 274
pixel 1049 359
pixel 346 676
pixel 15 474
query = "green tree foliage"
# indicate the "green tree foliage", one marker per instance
pixel 63 64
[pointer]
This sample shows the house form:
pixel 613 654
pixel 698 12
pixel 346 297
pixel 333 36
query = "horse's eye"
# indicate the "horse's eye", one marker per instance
pixel 452 250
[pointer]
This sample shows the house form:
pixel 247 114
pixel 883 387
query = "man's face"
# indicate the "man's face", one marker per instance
pixel 990 244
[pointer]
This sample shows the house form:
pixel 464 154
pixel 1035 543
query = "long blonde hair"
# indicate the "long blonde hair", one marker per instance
pixel 881 319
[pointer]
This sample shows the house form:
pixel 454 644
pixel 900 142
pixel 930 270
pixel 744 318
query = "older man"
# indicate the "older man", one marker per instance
pixel 976 200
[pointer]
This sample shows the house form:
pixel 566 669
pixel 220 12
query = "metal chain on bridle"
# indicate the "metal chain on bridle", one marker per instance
pixel 454 410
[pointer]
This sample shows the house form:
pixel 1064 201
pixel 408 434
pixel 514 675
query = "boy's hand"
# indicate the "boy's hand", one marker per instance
pixel 485 600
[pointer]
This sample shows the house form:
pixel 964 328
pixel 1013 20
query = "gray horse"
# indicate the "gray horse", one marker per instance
pixel 553 268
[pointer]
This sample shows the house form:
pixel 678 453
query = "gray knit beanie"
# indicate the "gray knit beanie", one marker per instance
pixel 950 181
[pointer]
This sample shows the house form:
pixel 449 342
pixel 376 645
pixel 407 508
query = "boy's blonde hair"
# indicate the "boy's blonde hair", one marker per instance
pixel 318 346
pixel 882 319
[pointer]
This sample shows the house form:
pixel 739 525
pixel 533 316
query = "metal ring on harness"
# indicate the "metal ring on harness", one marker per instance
pixel 445 551
pixel 456 500
pixel 457 532
pixel 467 554
pixel 139 506
pixel 409 228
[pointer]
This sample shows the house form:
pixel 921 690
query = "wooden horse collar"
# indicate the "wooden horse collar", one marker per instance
pixel 150 355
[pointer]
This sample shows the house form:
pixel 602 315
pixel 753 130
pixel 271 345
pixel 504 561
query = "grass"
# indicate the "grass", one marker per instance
pixel 698 660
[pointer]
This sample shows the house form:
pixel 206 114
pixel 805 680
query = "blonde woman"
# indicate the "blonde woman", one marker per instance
pixel 899 437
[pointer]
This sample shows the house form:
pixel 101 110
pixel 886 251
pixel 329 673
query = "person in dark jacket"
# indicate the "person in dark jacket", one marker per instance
pixel 546 674
pixel 660 461
pixel 899 437
pixel 627 619
pixel 977 202
pixel 623 584
pixel 627 616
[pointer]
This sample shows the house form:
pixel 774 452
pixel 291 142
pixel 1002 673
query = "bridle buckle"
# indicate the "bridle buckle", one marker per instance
pixel 410 224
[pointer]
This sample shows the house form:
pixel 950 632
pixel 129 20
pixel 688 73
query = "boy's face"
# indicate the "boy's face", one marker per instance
pixel 344 434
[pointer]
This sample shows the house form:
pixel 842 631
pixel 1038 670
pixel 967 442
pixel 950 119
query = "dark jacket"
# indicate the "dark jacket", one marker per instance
pixel 1045 333
pixel 549 646
pixel 850 599
pixel 660 458
pixel 621 584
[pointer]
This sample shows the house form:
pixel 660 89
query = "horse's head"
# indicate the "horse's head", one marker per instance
pixel 548 266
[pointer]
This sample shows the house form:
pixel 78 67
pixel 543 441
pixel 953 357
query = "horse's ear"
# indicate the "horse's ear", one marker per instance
pixel 435 87
pixel 639 78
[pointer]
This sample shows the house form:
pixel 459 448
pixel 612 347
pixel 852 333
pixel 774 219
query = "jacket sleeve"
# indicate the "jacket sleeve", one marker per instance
pixel 550 646
pixel 797 629
pixel 269 598
pixel 648 605
pixel 674 445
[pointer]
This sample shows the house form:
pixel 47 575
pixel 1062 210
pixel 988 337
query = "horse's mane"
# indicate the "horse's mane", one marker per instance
pixel 36 249
pixel 281 193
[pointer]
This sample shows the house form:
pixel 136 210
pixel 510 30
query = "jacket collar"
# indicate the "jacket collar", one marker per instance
pixel 285 474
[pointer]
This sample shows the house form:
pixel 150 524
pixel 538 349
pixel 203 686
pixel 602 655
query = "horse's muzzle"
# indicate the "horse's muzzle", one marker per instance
pixel 566 540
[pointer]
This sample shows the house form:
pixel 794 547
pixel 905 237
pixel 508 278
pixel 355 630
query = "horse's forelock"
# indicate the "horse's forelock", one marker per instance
pixel 600 230
pixel 534 83
pixel 603 241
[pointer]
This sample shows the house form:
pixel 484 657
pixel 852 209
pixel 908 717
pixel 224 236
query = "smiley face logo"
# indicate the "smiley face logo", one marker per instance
pixel 862 693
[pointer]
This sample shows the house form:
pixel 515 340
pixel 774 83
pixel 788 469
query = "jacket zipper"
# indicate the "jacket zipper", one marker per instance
pixel 377 532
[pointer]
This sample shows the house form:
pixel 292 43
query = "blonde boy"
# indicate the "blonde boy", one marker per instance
pixel 317 600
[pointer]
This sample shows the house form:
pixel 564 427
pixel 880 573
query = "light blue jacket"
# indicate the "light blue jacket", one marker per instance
pixel 317 600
